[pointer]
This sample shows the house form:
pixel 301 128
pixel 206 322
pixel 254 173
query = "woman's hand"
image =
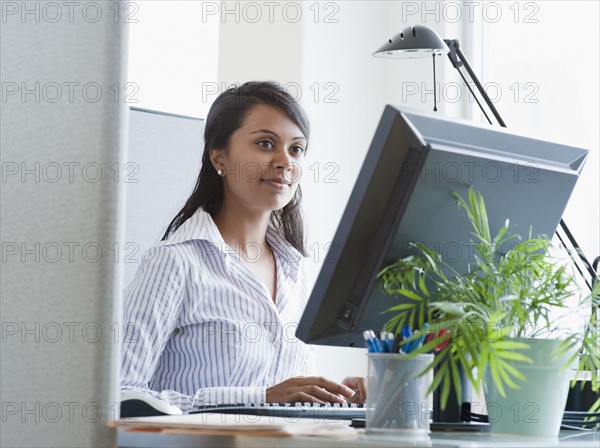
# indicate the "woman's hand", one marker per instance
pixel 359 385
pixel 309 389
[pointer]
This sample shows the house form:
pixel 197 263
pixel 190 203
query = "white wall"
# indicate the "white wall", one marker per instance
pixel 173 67
pixel 341 54
pixel 545 62
pixel 63 138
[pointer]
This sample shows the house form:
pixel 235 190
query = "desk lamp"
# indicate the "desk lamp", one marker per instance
pixel 420 41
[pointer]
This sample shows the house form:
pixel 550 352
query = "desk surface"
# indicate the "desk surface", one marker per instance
pixel 567 439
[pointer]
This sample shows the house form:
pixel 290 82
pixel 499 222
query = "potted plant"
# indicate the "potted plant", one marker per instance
pixel 496 323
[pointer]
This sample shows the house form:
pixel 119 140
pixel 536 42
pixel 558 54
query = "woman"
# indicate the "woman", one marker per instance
pixel 215 304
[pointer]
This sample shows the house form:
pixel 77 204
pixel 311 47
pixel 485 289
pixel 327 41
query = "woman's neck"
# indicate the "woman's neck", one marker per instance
pixel 241 228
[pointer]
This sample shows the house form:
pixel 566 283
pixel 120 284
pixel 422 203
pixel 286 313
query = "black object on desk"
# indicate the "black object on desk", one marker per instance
pixel 138 408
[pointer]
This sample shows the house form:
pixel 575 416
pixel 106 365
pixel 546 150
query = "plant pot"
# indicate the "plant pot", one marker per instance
pixel 537 407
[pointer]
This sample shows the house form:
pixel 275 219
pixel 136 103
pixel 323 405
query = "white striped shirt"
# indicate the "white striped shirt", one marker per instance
pixel 205 329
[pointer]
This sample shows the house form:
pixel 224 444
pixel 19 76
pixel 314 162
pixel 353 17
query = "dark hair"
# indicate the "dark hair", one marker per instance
pixel 226 115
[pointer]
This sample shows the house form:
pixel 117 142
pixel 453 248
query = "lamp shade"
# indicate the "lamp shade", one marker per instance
pixel 413 42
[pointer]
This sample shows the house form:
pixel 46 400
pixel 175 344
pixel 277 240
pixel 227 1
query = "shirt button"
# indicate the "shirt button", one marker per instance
pixel 276 343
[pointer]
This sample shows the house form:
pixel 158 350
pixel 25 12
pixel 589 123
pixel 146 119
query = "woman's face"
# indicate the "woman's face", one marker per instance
pixel 263 162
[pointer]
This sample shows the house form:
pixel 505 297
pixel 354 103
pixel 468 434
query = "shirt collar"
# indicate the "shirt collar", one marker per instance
pixel 200 226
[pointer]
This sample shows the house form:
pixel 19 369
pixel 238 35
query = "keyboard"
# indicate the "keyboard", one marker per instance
pixel 317 411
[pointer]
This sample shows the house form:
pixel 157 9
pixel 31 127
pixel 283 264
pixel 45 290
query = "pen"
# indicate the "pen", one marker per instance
pixel 406 334
pixel 384 344
pixel 416 339
pixel 387 341
pixel 439 335
pixel 418 343
pixel 382 338
pixel 377 342
pixel 443 344
pixel 390 341
pixel 369 342
pixel 411 346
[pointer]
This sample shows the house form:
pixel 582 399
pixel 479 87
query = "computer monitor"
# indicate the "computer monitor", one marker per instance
pixel 403 194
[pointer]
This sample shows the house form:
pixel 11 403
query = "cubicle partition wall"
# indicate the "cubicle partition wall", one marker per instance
pixel 63 137
pixel 163 162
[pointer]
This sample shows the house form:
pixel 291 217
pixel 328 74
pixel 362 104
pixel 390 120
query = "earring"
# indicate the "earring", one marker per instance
pixel 220 173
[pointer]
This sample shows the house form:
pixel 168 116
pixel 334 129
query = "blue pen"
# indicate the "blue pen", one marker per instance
pixel 387 341
pixel 406 334
pixel 424 333
pixel 371 341
pixel 376 342
pixel 368 341
pixel 417 342
pixel 410 346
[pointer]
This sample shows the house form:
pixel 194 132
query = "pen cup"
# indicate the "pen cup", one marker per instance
pixel 397 400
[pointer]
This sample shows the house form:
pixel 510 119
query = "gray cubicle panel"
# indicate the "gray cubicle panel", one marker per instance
pixel 164 158
pixel 61 134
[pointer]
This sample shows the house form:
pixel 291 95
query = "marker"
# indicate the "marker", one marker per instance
pixel 439 335
pixel 390 341
pixel 418 342
pixel 443 344
pixel 387 341
pixel 369 342
pixel 376 342
pixel 406 334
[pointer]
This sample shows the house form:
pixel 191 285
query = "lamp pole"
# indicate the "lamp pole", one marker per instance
pixel 458 59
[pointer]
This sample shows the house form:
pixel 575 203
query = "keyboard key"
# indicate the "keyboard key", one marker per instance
pixel 317 411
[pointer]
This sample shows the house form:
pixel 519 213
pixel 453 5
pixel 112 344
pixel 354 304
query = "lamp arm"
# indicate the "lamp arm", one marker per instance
pixel 458 59
pixel 591 268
